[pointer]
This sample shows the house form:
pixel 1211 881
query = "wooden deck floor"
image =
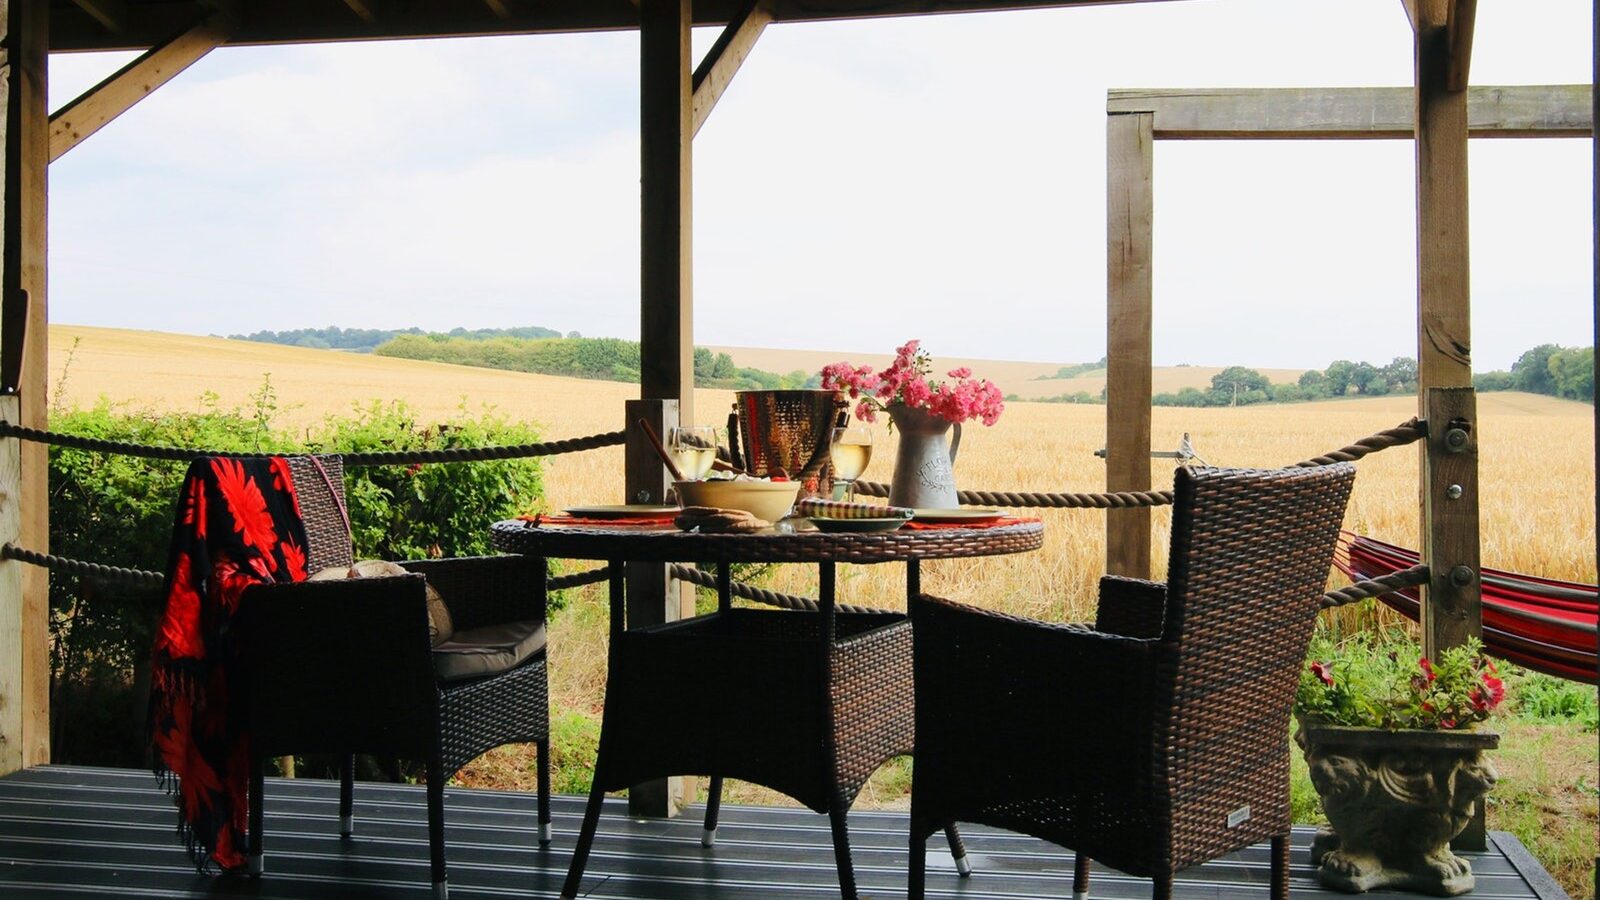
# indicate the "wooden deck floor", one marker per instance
pixel 67 831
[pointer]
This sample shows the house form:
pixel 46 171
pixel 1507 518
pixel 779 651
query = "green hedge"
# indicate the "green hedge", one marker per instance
pixel 119 510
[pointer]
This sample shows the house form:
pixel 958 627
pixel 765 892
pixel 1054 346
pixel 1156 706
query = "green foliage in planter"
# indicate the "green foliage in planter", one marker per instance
pixel 1365 681
pixel 119 510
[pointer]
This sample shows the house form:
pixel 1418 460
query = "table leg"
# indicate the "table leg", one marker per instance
pixel 724 587
pixel 913 581
pixel 837 809
pixel 597 794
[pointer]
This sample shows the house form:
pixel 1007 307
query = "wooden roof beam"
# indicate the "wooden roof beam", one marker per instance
pixel 113 14
pixel 1459 22
pixel 1512 111
pixel 723 60
pixel 1411 12
pixel 364 9
pixel 135 81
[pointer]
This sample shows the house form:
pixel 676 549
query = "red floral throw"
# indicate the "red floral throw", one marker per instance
pixel 238 524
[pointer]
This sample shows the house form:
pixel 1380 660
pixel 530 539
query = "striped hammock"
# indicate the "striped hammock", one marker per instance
pixel 1547 625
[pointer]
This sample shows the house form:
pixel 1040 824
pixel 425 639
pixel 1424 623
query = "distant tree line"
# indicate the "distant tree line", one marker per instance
pixel 1073 371
pixel 606 359
pixel 1546 369
pixel 365 340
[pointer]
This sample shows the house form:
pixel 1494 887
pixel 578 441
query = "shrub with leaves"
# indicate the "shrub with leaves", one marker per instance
pixel 1361 682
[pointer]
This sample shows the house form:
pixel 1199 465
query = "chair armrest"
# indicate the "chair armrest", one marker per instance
pixel 1131 607
pixel 338 666
pixel 487 590
pixel 1027 700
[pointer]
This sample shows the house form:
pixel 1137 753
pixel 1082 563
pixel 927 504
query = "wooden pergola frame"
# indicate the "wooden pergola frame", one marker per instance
pixel 675 98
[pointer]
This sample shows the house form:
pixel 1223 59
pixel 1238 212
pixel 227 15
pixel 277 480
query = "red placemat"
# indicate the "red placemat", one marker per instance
pixel 541 521
pixel 914 525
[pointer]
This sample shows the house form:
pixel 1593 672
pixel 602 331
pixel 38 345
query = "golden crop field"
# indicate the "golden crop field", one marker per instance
pixel 1028 380
pixel 1536 458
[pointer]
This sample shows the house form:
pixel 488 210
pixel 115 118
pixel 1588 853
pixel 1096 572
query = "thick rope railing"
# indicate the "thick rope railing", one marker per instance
pixel 1406 432
pixel 141 578
pixel 1377 587
pixel 577 579
pixel 371 458
pixel 694 575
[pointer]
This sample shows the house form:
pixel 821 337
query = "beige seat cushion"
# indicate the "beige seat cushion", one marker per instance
pixel 440 626
pixel 476 652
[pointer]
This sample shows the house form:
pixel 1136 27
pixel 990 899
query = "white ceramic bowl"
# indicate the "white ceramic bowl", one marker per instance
pixel 769 500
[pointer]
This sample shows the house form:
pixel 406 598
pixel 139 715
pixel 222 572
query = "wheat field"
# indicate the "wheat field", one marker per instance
pixel 1537 470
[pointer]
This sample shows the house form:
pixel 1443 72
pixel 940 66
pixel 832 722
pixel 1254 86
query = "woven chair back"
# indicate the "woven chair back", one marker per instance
pixel 1251 552
pixel 786 430
pixel 319 484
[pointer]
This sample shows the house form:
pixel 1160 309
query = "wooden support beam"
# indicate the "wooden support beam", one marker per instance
pixel 24 509
pixel 1452 602
pixel 364 9
pixel 1411 11
pixel 133 82
pixel 1130 204
pixel 113 14
pixel 501 8
pixel 1459 26
pixel 666 334
pixel 723 60
pixel 1512 111
pixel 666 310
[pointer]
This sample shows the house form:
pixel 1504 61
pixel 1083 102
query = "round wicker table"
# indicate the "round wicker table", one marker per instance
pixel 806 703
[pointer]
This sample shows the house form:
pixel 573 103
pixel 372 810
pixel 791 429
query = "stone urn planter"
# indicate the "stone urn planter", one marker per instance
pixel 1394 801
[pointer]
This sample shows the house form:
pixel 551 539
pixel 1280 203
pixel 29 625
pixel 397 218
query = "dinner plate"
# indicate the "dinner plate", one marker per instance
pixel 623 511
pixel 856 525
pixel 964 516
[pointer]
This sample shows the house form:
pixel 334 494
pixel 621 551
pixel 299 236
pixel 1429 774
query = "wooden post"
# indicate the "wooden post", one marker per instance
pixel 666 332
pixel 24 518
pixel 1130 163
pixel 653 598
pixel 1452 604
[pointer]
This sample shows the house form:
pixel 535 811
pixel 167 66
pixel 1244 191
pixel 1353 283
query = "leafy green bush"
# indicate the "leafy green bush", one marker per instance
pixel 119 510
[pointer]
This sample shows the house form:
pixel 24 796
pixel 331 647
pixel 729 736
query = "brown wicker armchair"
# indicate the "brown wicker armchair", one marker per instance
pixel 344 667
pixel 1159 739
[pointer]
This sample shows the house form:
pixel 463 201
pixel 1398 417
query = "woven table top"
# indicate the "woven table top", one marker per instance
pixel 667 544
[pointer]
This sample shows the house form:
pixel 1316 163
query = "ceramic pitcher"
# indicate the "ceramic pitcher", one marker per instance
pixel 923 477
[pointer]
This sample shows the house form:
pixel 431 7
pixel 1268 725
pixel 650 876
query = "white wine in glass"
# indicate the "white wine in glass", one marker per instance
pixel 693 449
pixel 850 450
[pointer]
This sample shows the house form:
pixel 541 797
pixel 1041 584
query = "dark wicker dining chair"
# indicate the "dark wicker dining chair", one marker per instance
pixel 1158 739
pixel 346 666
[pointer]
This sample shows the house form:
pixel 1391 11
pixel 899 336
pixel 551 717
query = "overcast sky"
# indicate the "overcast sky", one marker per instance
pixel 859 184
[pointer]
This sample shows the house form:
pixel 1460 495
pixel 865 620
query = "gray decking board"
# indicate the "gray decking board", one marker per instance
pixel 68 831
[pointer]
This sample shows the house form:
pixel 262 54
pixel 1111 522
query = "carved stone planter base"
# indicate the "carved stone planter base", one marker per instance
pixel 1395 800
pixel 1447 874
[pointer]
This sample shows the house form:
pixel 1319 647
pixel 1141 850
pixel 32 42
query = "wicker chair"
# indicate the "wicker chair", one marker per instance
pixel 344 667
pixel 1159 739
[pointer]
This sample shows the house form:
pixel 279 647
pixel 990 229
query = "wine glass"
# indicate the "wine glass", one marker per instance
pixel 850 449
pixel 693 449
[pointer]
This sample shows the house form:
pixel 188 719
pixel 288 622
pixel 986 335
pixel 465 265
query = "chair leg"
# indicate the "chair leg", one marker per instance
pixel 708 837
pixel 580 853
pixel 1080 876
pixel 441 887
pixel 1163 886
pixel 347 795
pixel 958 849
pixel 544 792
pixel 917 872
pixel 256 797
pixel 841 848
pixel 1280 867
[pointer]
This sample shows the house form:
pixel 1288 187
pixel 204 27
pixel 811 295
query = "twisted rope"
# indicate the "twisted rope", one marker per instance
pixel 143 578
pixel 1407 432
pixel 1376 587
pixel 578 579
pixel 372 458
pixel 694 575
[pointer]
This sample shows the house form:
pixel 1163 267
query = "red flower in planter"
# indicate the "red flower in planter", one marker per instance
pixel 1321 671
pixel 1427 668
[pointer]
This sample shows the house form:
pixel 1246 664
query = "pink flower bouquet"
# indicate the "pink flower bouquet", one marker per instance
pixel 906 382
